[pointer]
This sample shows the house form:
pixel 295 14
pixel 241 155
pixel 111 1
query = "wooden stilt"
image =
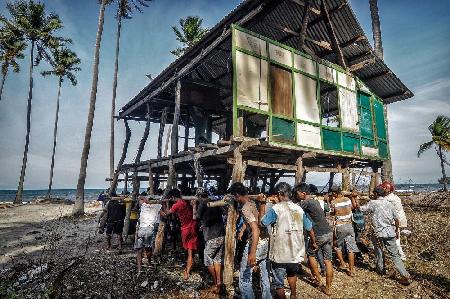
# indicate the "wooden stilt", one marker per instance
pixel 113 188
pixel 230 237
pixel 346 178
pixel 151 186
pixel 299 174
pixel 373 178
pixel 330 180
pixel 125 183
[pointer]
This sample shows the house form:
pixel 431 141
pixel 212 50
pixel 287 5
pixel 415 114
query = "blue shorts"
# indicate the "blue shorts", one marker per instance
pixel 145 237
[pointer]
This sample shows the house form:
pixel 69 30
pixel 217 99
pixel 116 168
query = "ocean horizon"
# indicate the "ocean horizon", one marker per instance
pixel 92 194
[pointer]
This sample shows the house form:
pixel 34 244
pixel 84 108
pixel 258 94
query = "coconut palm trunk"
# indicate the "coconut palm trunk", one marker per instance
pixel 114 93
pixel 18 198
pixel 376 28
pixel 2 84
pixel 78 208
pixel 55 132
pixel 444 175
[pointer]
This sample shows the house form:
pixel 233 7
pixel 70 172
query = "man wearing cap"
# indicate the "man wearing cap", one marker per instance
pixel 341 208
pixel 398 207
pixel 383 217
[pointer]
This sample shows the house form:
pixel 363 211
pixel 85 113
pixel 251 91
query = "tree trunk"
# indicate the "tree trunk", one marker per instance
pixel 113 187
pixel 444 175
pixel 55 132
pixel 2 84
pixel 18 198
pixel 114 93
pixel 376 28
pixel 78 208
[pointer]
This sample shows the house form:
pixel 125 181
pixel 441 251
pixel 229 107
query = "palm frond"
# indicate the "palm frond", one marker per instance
pixel 424 147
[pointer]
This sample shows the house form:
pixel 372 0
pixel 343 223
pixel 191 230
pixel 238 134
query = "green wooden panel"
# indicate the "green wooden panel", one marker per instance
pixel 365 123
pixel 379 119
pixel 283 130
pixel 350 143
pixel 383 149
pixel 364 100
pixel 367 142
pixel 331 140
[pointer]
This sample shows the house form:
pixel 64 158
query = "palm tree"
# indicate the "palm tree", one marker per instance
pixel 189 34
pixel 65 63
pixel 34 25
pixel 12 46
pixel 78 208
pixel 125 9
pixel 440 138
pixel 376 28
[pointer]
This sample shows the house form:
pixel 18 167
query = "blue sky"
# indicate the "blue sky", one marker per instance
pixel 416 44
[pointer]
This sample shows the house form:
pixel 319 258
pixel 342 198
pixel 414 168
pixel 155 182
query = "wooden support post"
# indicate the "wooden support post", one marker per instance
pixel 300 172
pixel 346 178
pixel 186 132
pixel 162 125
pixel 151 185
pixel 238 175
pixel 176 118
pixel 304 25
pixel 125 183
pixel 198 170
pixel 115 178
pixel 373 178
pixel 330 180
pixel 332 35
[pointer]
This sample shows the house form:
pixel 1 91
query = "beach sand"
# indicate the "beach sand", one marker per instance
pixel 44 251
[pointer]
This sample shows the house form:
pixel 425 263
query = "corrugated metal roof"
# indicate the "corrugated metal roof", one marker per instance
pixel 272 14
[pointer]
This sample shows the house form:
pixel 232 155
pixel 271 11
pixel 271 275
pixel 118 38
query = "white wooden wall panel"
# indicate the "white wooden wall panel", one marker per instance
pixel 348 109
pixel 251 43
pixel 346 81
pixel 251 81
pixel 327 73
pixel 305 65
pixel 308 135
pixel 306 98
pixel 280 55
pixel 369 151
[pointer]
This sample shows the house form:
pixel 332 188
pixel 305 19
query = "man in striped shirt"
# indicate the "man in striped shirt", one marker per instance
pixel 341 208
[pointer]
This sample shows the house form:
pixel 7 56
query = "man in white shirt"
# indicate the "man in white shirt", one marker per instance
pixel 149 218
pixel 287 247
pixel 398 207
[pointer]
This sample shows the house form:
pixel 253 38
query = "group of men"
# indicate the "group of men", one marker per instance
pixel 279 233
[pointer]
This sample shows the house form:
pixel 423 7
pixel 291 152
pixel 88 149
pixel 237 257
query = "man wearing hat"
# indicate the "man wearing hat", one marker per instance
pixel 383 217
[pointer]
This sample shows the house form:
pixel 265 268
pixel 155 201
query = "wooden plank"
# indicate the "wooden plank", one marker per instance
pixel 332 35
pixel 350 42
pixel 322 169
pixel 362 64
pixel 281 91
pixel 271 165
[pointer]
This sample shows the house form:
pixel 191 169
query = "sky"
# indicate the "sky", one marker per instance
pixel 416 41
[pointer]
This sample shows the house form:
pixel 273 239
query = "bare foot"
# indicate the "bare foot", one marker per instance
pixel 186 275
pixel 326 291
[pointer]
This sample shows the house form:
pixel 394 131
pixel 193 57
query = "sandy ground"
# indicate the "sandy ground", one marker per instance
pixel 44 252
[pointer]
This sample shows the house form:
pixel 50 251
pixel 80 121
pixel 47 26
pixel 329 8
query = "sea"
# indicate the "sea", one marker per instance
pixel 92 194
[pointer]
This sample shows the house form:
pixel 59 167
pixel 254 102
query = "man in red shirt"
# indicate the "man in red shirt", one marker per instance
pixel 183 209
